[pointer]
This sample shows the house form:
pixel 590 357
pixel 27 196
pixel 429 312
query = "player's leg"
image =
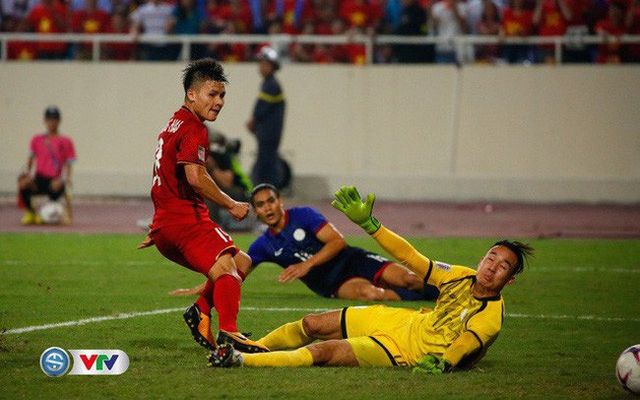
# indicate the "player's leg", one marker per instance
pixel 55 189
pixel 398 276
pixel 363 351
pixel 26 188
pixel 327 353
pixel 322 326
pixel 355 324
pixel 226 300
pixel 362 289
pixel 196 316
pixel 407 284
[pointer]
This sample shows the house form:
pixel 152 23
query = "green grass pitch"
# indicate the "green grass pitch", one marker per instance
pixel 569 315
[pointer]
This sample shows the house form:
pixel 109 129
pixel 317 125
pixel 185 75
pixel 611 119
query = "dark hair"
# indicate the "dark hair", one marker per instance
pixel 521 250
pixel 204 69
pixel 262 186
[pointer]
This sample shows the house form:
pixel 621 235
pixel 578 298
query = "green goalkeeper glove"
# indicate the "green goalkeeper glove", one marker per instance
pixel 432 365
pixel 348 201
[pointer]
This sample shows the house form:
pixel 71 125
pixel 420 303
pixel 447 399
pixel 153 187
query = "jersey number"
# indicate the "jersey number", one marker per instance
pixel 156 164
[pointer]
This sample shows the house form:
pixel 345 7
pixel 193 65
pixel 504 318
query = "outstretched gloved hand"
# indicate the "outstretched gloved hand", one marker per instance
pixel 348 201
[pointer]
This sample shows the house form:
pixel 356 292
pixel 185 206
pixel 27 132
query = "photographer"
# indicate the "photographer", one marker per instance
pixel 226 171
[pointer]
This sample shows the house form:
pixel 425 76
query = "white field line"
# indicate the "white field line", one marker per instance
pixel 154 263
pixel 279 309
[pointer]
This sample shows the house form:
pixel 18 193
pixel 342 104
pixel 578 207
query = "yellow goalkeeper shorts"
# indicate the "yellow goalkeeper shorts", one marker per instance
pixel 368 330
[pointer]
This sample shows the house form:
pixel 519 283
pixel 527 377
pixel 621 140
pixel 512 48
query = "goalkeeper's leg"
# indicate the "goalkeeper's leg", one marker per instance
pixel 329 353
pixel 300 333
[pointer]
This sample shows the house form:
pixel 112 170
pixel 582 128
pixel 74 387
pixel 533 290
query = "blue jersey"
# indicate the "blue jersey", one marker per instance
pixel 297 242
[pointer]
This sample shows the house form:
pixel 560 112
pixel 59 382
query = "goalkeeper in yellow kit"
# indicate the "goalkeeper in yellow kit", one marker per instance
pixel 466 320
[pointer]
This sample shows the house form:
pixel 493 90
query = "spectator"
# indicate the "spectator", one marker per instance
pixel 89 20
pixel 610 29
pixel 186 19
pixel 582 20
pixel 236 12
pixel 121 51
pixel 14 11
pixel 303 52
pixel 393 10
pixel 517 21
pixel 228 52
pixel 267 121
pixel 103 5
pixel 257 8
pixel 292 13
pixel 152 18
pixel 22 50
pixel 551 18
pixel 489 24
pixel 325 15
pixel 53 155
pixel 413 22
pixel 361 13
pixel 449 19
pixel 357 52
pixel 632 24
pixel 47 17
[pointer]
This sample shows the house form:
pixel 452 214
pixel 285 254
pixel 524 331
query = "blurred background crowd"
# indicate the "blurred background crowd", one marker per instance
pixel 438 18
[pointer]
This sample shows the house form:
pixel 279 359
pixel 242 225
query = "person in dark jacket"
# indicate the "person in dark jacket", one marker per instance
pixel 267 121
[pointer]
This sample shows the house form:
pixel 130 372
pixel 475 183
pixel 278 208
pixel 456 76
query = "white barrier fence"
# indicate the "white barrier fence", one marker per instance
pixel 460 43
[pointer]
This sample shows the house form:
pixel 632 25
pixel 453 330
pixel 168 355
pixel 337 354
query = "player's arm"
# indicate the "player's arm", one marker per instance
pixel 480 332
pixel 201 181
pixel 333 244
pixel 65 175
pixel 348 200
pixel 27 172
pixel 465 345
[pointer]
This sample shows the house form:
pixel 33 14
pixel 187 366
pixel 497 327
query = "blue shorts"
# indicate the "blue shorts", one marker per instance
pixel 352 262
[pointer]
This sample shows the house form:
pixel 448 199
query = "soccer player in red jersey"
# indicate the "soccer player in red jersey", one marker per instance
pixel 181 229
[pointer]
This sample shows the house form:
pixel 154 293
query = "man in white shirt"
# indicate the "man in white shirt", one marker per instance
pixel 152 18
pixel 449 18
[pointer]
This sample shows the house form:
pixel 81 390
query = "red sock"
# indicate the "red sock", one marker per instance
pixel 226 300
pixel 205 300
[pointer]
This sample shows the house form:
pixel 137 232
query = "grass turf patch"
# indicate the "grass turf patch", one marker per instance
pixel 569 315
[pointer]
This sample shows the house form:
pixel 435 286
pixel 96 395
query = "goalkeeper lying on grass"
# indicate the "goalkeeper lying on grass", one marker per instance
pixel 455 334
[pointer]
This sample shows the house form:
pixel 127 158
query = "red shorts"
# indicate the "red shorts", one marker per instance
pixel 195 246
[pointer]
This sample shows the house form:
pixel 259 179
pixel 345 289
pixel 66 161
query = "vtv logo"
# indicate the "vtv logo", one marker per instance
pixel 99 362
pixel 102 360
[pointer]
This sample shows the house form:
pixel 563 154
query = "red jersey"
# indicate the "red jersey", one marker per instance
pixel 293 14
pixel 517 23
pixel 183 140
pixel 552 22
pixel 49 20
pixel 238 13
pixel 22 50
pixel 359 13
pixel 85 21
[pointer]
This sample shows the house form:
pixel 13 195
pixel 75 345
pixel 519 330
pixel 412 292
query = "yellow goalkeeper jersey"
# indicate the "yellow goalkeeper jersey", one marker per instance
pixel 461 327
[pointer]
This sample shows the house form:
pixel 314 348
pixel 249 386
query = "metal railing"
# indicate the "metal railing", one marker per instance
pixel 459 43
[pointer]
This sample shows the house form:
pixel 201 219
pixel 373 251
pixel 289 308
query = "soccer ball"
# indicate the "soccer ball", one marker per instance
pixel 628 369
pixel 51 212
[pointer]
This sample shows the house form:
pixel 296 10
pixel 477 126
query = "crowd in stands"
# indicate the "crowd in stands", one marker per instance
pixel 440 18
